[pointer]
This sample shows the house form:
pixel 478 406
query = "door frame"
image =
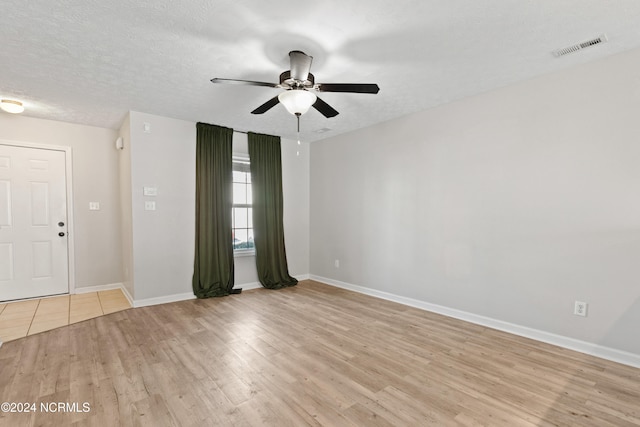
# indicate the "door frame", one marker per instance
pixel 69 193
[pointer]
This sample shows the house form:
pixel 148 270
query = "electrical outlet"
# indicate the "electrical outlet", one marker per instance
pixel 336 263
pixel 580 308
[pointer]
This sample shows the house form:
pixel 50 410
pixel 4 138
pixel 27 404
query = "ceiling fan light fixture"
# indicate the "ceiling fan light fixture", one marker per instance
pixel 11 106
pixel 297 101
pixel 298 82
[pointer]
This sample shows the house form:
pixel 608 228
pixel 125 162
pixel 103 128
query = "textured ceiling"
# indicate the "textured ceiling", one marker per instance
pixel 90 61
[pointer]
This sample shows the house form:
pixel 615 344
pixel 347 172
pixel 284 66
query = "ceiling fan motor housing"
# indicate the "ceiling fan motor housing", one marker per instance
pixel 287 81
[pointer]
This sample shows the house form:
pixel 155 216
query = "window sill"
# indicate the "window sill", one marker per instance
pixel 241 254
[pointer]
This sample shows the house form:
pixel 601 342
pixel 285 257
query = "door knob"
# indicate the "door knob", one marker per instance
pixel 61 234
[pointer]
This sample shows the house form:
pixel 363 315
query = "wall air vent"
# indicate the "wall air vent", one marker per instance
pixel 580 46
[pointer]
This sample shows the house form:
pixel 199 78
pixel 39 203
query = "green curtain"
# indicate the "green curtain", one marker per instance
pixel 268 230
pixel 213 265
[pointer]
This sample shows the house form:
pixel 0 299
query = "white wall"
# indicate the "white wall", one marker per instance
pixel 295 193
pixel 95 179
pixel 163 240
pixel 509 205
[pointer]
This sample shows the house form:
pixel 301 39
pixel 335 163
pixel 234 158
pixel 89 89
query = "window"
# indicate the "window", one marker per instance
pixel 242 215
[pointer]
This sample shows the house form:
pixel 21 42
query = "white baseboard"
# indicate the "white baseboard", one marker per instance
pixel 109 287
pixel 126 293
pixel 132 301
pixel 248 286
pixel 258 285
pixel 592 349
pixel 163 299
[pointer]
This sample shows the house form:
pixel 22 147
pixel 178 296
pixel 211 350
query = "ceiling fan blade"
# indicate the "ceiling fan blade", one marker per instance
pixel 243 82
pixel 348 87
pixel 327 110
pixel 300 65
pixel 266 106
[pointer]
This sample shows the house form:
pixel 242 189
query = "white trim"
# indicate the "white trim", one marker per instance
pixel 163 299
pixel 70 220
pixel 258 285
pixel 34 145
pixel 241 253
pixel 99 288
pixel 592 349
pixel 109 287
pixel 127 295
pixel 167 298
pixel 11 301
pixel 248 286
pixel 68 159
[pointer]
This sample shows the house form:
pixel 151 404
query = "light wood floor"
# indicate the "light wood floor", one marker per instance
pixel 311 355
pixel 22 318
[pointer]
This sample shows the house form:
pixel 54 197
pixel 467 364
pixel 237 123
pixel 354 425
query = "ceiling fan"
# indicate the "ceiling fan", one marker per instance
pixel 300 85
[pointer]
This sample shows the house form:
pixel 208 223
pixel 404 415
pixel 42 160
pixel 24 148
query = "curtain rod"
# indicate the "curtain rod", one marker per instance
pixel 247 132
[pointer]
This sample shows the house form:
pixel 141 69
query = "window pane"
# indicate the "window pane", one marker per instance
pixel 250 239
pixel 238 176
pixel 239 193
pixel 240 236
pixel 240 216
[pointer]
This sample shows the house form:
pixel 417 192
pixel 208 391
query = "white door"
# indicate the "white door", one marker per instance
pixel 33 223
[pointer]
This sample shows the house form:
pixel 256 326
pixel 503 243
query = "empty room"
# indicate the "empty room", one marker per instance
pixel 218 213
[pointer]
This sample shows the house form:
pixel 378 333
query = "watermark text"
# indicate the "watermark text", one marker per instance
pixel 46 407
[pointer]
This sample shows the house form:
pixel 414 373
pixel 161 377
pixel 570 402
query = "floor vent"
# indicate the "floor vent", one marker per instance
pixel 580 46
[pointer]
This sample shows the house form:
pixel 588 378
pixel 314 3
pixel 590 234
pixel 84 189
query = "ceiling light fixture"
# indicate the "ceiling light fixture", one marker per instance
pixel 11 106
pixel 297 102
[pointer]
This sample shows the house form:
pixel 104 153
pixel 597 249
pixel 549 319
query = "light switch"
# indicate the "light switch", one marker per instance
pixel 149 206
pixel 94 206
pixel 146 127
pixel 150 191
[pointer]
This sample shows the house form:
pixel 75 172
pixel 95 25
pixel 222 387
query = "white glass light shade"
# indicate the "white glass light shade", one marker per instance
pixel 297 101
pixel 10 106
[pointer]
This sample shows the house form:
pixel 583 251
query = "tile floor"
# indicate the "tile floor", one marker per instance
pixel 22 318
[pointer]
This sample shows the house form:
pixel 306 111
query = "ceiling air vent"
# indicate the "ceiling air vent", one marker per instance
pixel 580 46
